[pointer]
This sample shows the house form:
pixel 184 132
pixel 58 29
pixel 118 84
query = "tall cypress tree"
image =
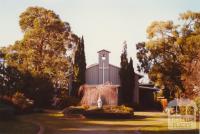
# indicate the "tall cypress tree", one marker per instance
pixel 82 62
pixel 131 82
pixel 126 78
pixel 123 75
pixel 79 67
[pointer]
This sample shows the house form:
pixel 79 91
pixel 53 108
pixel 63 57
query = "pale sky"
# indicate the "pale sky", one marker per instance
pixel 105 24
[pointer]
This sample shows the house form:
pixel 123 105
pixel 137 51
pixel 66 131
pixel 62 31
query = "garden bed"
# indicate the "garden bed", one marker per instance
pixel 109 112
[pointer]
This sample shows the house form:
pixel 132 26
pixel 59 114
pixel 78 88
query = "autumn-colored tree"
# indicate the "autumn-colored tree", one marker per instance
pixel 168 49
pixel 192 81
pixel 42 53
pixel 10 77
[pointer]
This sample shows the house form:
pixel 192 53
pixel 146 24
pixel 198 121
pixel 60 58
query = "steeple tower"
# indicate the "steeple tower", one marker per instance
pixel 103 66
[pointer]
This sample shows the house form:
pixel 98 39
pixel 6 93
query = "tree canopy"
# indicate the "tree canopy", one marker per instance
pixel 169 49
pixel 41 56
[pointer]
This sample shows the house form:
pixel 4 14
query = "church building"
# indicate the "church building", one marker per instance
pixel 103 72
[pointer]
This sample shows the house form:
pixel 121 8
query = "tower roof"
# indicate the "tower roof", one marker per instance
pixel 103 50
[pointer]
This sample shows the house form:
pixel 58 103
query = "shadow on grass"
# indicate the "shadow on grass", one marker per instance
pixel 171 132
pixel 16 126
pixel 134 118
pixel 132 132
pixel 140 124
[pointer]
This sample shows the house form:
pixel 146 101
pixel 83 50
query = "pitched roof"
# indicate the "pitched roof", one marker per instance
pixel 96 64
pixel 103 50
pixel 92 65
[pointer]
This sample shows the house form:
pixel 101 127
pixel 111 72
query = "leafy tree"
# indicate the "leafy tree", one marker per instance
pixel 79 68
pixel 41 56
pixel 168 50
pixel 10 77
pixel 44 41
pixel 38 88
pixel 192 81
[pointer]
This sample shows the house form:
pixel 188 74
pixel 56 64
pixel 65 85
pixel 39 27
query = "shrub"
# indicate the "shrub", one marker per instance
pixel 38 88
pixel 121 112
pixel 22 103
pixel 118 109
pixel 65 102
pixel 74 110
pixel 6 99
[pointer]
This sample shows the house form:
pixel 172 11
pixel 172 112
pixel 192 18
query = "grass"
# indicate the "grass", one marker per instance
pixel 143 123
pixel 16 126
pixel 12 125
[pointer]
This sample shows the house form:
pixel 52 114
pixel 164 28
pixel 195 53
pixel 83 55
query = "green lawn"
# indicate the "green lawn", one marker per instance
pixel 16 126
pixel 143 123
